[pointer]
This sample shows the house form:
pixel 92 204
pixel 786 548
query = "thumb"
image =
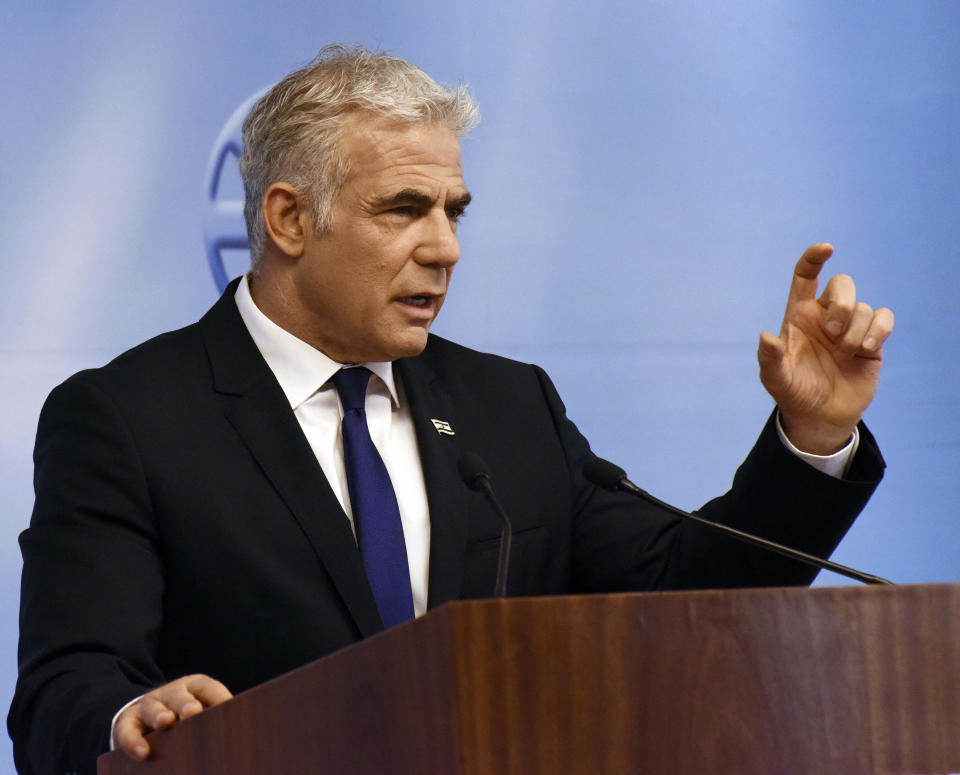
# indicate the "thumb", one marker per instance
pixel 770 355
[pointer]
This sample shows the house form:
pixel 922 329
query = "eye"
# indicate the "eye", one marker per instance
pixel 456 213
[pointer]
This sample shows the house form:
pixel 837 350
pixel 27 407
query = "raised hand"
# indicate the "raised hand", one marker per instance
pixel 822 370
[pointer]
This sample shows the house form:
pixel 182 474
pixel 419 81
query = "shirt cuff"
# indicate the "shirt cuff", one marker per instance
pixel 835 465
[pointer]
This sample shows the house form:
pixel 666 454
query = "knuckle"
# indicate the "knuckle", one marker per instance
pixel 153 718
pixel 156 695
pixel 841 308
pixel 847 346
pixel 197 682
pixel 842 288
pixel 142 708
pixel 881 331
pixel 843 282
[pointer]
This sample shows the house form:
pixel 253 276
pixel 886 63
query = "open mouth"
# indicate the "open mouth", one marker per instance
pixel 417 301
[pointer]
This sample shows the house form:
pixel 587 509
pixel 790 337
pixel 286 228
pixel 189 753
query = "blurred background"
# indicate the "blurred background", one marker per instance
pixel 645 176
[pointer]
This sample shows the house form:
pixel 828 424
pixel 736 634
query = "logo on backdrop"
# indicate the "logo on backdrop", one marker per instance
pixel 223 224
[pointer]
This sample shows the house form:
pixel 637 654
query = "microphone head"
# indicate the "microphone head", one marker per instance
pixel 604 474
pixel 472 470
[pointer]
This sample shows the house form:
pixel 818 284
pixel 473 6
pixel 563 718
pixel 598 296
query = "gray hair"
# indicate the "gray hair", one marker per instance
pixel 293 132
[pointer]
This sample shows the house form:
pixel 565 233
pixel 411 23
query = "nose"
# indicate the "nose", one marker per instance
pixel 438 245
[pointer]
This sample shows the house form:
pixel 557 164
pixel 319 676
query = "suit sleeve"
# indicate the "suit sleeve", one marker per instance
pixel 92 585
pixel 623 544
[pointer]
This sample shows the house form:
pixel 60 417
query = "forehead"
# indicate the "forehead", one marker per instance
pixel 383 154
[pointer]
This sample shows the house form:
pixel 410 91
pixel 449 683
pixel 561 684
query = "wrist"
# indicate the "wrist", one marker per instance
pixel 815 437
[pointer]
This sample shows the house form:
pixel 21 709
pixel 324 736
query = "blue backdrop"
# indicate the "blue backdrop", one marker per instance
pixel 645 176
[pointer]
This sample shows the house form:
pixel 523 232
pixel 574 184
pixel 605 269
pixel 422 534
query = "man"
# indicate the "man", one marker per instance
pixel 202 523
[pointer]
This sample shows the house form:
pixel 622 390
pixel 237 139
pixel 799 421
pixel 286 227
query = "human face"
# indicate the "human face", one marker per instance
pixel 370 286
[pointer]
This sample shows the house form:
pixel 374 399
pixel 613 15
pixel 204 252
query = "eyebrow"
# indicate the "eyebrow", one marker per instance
pixel 461 201
pixel 417 197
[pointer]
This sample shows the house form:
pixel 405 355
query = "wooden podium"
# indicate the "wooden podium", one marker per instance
pixel 849 680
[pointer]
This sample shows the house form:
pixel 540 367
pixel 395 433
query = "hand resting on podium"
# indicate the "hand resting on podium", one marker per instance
pixel 162 708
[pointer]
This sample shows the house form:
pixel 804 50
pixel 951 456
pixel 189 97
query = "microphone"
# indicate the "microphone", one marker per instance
pixel 608 476
pixel 473 471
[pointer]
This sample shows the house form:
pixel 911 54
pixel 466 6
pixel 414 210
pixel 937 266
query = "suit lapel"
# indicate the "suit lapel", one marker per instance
pixel 258 410
pixel 446 492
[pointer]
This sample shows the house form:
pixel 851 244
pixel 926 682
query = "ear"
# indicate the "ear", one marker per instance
pixel 286 217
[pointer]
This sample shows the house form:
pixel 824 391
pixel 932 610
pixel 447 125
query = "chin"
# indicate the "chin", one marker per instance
pixel 406 346
pixel 408 351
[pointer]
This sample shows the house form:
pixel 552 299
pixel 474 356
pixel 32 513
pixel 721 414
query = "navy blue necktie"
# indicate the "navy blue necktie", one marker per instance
pixel 376 515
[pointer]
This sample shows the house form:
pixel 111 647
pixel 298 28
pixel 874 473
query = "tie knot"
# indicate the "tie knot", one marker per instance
pixel 352 386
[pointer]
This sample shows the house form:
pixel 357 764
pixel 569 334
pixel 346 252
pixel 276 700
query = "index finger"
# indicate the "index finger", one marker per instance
pixel 208 690
pixel 804 285
pixel 128 735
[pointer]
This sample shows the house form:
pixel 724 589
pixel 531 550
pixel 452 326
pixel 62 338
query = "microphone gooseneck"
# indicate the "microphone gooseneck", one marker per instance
pixel 474 473
pixel 608 476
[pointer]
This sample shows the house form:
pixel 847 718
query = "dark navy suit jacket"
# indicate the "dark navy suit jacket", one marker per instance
pixel 183 525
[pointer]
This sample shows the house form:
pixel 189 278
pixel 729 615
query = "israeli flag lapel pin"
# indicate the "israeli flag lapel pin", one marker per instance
pixel 443 427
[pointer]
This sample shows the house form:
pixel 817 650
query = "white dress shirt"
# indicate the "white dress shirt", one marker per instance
pixel 304 373
pixel 836 464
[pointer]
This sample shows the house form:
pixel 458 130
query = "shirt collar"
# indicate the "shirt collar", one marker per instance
pixel 300 368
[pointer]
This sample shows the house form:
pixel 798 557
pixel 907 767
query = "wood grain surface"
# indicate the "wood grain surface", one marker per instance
pixel 848 680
